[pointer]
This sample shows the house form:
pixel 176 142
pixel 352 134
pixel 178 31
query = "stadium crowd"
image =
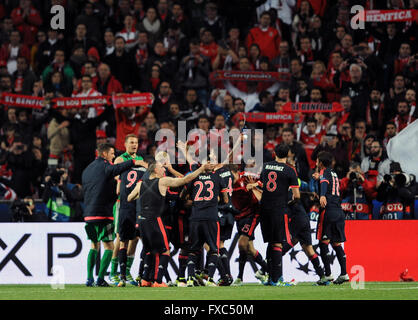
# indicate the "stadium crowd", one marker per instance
pixel 170 48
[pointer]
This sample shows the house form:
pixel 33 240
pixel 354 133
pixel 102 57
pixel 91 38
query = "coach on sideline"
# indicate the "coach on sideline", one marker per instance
pixel 99 187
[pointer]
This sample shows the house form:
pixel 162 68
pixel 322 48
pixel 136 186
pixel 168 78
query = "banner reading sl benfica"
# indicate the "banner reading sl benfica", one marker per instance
pixel 119 101
pixel 312 107
pixel 389 15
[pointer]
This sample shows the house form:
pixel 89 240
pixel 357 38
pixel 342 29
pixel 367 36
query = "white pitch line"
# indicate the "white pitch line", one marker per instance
pixel 408 288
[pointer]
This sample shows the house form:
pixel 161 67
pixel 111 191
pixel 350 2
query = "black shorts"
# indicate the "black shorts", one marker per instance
pixel 126 225
pixel 246 225
pixel 275 226
pixel 331 225
pixel 299 225
pixel 226 222
pixel 202 232
pixel 180 230
pixel 153 235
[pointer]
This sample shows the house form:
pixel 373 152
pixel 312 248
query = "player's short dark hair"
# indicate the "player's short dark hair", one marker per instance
pixel 151 166
pixel 131 135
pixel 325 158
pixel 233 167
pixel 104 147
pixel 282 150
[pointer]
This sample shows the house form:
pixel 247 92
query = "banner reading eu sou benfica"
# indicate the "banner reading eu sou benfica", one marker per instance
pixel 312 107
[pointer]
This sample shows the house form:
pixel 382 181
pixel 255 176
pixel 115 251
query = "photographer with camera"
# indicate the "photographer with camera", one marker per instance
pixel 357 193
pixel 24 210
pixel 62 198
pixel 397 192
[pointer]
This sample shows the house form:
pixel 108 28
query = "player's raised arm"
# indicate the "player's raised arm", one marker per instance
pixel 135 192
pixel 178 182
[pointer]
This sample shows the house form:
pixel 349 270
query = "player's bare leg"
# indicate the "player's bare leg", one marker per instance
pixel 339 251
pixel 91 262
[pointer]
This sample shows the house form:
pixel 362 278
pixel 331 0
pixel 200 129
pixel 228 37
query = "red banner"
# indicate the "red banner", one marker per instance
pixel 389 15
pixel 250 76
pixel 80 102
pixel 17 100
pixel 132 100
pixel 272 117
pixel 120 101
pixel 312 107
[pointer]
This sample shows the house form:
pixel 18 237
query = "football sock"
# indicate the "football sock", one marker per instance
pixel 223 255
pixel 317 266
pixel 221 268
pixel 259 259
pixel 182 266
pixel 286 248
pixel 242 259
pixel 191 265
pixel 339 251
pixel 129 262
pixel 141 264
pixel 114 266
pixel 212 262
pixel 122 262
pixel 91 261
pixel 268 257
pixel 162 266
pixel 323 248
pixel 104 263
pixel 276 264
pixel 166 274
pixel 147 266
pixel 198 265
pixel 206 267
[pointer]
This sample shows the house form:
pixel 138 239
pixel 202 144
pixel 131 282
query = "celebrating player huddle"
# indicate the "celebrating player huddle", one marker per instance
pixel 195 208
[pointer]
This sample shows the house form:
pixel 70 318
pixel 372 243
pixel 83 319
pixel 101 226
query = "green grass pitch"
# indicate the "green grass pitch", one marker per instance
pixel 251 291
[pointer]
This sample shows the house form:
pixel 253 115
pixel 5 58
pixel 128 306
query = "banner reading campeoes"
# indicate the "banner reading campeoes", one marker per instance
pixel 30 250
